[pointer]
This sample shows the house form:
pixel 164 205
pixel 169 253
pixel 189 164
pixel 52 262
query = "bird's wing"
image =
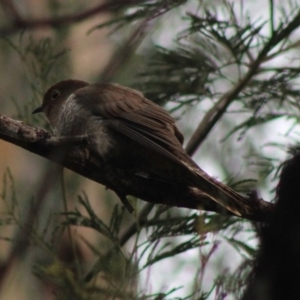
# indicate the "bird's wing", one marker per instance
pixel 130 113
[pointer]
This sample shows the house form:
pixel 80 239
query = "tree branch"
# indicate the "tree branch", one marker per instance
pixel 21 23
pixel 217 111
pixel 38 141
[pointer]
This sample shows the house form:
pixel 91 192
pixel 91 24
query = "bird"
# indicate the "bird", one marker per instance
pixel 128 130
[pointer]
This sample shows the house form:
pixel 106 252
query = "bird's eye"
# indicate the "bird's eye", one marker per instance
pixel 55 94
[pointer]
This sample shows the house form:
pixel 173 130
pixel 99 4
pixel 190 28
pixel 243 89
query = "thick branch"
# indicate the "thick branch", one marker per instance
pixel 77 159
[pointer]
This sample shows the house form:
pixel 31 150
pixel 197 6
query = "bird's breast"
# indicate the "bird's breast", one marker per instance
pixel 73 120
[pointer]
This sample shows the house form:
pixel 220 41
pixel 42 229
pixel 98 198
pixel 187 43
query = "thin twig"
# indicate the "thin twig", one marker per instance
pixel 271 3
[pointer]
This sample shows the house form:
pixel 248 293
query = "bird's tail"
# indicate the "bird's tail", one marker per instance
pixel 222 194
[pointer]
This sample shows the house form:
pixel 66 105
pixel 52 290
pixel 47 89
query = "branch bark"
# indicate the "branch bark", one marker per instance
pixel 77 159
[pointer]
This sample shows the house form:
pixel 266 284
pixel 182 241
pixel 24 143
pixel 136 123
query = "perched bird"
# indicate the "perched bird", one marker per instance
pixel 128 130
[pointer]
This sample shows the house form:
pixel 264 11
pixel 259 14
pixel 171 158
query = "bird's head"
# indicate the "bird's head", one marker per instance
pixel 56 96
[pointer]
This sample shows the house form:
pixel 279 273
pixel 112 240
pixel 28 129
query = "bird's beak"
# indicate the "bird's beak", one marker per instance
pixel 38 110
